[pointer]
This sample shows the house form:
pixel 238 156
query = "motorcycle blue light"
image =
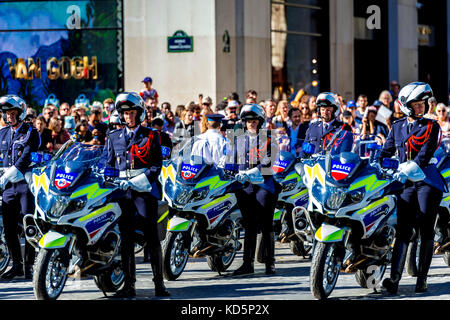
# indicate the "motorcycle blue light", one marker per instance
pixel 389 163
pixel 308 148
pixel 36 157
pixel 111 172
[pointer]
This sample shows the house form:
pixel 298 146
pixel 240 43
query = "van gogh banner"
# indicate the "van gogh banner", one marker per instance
pixel 61 47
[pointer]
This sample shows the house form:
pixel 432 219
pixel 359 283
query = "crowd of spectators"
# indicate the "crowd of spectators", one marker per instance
pixel 90 123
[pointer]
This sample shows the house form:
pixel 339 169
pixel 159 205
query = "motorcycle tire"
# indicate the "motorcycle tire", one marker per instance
pixel 50 264
pixel 175 250
pixel 220 263
pixel 362 277
pixel 297 248
pixel 110 280
pixel 5 257
pixel 412 258
pixel 446 258
pixel 325 254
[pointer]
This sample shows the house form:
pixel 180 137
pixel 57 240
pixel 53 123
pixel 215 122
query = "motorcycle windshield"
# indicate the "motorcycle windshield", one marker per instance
pixel 73 162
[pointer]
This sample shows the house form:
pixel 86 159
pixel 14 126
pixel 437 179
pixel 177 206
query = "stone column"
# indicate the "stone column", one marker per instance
pixel 342 75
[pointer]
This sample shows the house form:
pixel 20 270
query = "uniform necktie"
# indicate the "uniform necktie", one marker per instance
pixel 409 127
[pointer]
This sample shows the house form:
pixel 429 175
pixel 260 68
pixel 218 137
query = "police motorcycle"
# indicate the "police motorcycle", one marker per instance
pixel 206 220
pixel 441 159
pixel 292 204
pixel 37 158
pixel 75 225
pixel 352 209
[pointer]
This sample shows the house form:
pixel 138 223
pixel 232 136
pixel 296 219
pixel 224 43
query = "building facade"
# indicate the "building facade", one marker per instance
pixel 215 47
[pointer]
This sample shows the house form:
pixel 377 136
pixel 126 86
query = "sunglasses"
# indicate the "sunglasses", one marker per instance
pixel 441 110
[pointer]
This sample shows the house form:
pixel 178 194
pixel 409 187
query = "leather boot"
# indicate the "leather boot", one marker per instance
pixel 425 257
pixel 248 256
pixel 270 253
pixel 28 272
pixel 398 263
pixel 30 254
pixel 156 262
pixel 129 271
pixel 15 271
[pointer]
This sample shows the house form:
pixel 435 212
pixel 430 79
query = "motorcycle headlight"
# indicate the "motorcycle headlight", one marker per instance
pixel 357 195
pixel 199 195
pixel 289 186
pixel 76 205
pixel 182 195
pixel 336 199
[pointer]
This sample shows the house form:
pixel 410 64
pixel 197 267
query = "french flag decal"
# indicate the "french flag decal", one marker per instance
pixel 340 171
pixel 189 171
pixel 280 166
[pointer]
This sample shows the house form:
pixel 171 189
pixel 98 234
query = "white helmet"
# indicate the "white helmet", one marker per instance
pixel 253 111
pixel 328 99
pixel 414 92
pixel 130 101
pixel 11 102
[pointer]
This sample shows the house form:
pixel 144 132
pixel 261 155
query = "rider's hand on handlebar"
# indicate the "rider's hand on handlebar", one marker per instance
pixel 400 176
pixel 123 184
pixel 242 177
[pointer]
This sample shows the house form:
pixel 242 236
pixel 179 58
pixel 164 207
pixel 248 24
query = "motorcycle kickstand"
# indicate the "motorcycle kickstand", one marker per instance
pixel 96 283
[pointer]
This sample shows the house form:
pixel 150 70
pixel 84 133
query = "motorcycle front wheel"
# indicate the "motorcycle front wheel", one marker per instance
pixel 325 268
pixel 369 280
pixel 4 254
pixel 110 280
pixel 50 273
pixel 175 251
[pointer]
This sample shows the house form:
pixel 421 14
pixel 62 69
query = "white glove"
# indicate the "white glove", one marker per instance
pixel 242 177
pixel 412 171
pixel 124 184
pixel 400 176
pixel 12 174
pixel 140 183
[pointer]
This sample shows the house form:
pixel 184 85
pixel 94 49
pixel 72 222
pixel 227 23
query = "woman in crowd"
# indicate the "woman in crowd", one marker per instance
pixel 305 112
pixel 281 116
pixel 46 135
pixel 443 120
pixel 59 134
pixel 82 132
pixel 184 128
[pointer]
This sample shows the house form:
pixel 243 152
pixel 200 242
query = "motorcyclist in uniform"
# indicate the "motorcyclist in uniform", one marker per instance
pixel 254 150
pixel 330 133
pixel 18 141
pixel 136 151
pixel 415 139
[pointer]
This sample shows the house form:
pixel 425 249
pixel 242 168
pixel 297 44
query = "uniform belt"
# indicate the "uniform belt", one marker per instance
pixel 131 173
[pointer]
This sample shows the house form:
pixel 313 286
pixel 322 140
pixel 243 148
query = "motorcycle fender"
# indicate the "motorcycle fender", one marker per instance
pixel 277 215
pixel 177 224
pixel 329 233
pixel 53 240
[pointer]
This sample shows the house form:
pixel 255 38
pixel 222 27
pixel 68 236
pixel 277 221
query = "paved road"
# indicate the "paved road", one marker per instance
pixel 291 282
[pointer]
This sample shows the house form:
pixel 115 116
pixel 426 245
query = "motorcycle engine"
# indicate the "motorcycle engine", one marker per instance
pixel 384 238
pixel 225 229
pixel 103 250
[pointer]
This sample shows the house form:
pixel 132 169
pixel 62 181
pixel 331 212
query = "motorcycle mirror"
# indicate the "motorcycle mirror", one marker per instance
pixel 111 172
pixel 389 163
